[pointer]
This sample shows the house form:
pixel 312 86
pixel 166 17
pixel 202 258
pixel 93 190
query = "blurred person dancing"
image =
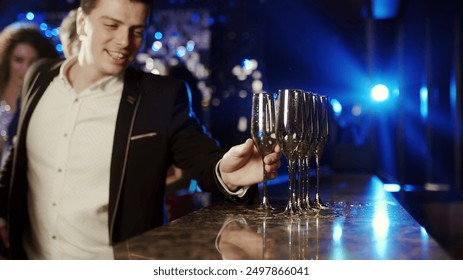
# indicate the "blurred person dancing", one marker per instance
pixel 68 34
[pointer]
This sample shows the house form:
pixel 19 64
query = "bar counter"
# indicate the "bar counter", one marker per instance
pixel 363 222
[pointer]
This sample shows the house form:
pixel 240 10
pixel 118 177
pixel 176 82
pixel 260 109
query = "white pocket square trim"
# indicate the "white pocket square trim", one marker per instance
pixel 136 137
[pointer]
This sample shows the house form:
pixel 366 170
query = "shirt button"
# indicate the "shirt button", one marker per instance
pixel 53 237
pixel 53 204
pixel 65 135
pixel 60 170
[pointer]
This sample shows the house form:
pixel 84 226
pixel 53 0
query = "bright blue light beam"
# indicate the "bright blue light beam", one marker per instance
pixel 380 93
pixel 424 102
pixel 337 107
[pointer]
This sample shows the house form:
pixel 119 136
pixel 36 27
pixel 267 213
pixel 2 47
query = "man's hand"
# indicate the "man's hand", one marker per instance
pixel 242 165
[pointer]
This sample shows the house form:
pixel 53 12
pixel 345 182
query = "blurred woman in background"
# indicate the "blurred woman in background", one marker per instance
pixel 68 34
pixel 20 45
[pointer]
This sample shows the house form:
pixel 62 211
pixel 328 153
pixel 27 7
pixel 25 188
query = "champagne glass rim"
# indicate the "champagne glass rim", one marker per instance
pixel 291 89
pixel 262 92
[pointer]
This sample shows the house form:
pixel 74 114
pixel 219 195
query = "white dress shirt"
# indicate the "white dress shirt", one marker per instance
pixel 69 146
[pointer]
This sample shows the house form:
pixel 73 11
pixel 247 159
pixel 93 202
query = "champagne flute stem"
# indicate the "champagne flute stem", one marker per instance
pixel 300 196
pixel 265 202
pixel 294 188
pixel 317 193
pixel 264 231
pixel 307 183
pixel 289 207
pixel 318 178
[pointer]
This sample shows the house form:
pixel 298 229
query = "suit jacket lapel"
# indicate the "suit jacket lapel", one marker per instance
pixel 124 126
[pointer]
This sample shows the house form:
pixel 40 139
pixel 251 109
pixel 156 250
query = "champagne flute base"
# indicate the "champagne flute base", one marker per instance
pixel 318 204
pixel 266 207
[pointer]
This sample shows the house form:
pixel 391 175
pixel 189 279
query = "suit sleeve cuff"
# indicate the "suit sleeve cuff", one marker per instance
pixel 241 192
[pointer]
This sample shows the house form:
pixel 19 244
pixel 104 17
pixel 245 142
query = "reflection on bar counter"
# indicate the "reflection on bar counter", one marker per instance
pixel 363 221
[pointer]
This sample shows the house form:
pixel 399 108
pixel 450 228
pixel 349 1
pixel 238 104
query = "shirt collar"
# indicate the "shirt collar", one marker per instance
pixel 101 84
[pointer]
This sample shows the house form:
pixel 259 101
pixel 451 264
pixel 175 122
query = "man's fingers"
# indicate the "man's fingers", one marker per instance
pixel 242 149
pixel 273 158
pixel 272 175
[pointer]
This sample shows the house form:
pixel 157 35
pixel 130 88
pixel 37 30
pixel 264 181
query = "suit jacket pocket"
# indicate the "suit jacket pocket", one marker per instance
pixel 146 147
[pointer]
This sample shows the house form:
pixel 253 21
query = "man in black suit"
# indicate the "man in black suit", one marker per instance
pixel 95 139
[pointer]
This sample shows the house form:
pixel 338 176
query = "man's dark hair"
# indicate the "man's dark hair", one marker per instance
pixel 88 5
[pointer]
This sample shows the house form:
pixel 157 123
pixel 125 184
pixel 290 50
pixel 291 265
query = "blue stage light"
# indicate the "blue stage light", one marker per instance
pixel 195 17
pixel 181 51
pixel 337 107
pixel 424 102
pixel 43 26
pixel 157 45
pixel 190 45
pixel 384 9
pixel 246 64
pixel 380 93
pixel 48 33
pixel 211 21
pixel 392 187
pixel 158 35
pixel 55 32
pixel 30 16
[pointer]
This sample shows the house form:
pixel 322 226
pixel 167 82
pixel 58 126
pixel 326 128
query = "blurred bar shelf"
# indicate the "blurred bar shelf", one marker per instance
pixel 364 222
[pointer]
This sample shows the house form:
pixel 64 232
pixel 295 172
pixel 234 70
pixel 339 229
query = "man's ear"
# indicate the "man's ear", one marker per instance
pixel 80 23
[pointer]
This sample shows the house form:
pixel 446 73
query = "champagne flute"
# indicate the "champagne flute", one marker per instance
pixel 289 130
pixel 323 126
pixel 263 133
pixel 309 144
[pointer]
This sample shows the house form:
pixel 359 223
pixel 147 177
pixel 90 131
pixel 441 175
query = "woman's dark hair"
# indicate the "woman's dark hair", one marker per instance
pixel 19 33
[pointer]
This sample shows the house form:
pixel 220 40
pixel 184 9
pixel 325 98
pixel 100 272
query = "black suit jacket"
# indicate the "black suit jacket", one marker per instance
pixel 155 127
